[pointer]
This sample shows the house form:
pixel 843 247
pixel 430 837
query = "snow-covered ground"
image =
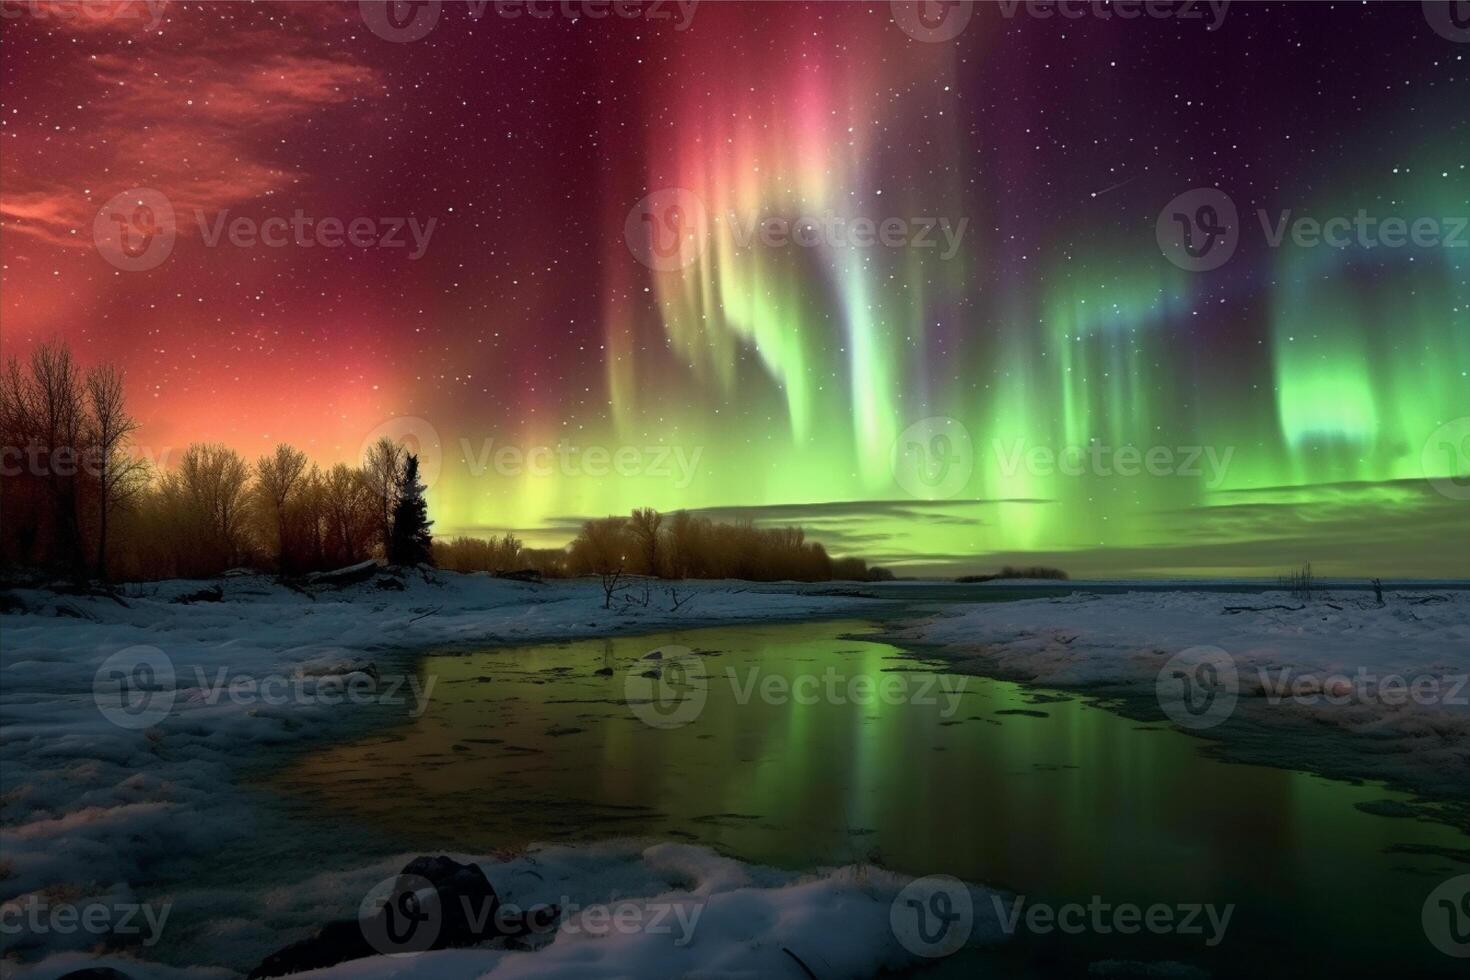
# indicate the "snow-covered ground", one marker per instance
pixel 1273 675
pixel 125 728
pixel 124 725
pixel 635 909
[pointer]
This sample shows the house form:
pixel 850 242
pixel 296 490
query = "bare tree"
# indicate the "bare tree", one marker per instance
pixel 213 480
pixel 25 499
pixel 382 467
pixel 350 505
pixel 55 401
pixel 1301 583
pixel 683 544
pixel 601 549
pixel 276 477
pixel 644 526
pixel 17 415
pixel 118 475
pixel 310 516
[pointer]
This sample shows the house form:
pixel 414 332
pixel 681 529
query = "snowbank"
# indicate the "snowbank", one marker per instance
pixel 733 920
pixel 638 910
pixel 1389 682
pixel 124 726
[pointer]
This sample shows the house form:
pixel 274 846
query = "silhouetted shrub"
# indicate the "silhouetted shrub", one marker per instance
pixel 1011 571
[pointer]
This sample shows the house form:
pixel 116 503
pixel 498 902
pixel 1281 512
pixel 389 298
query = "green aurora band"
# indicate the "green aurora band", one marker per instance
pixel 1293 391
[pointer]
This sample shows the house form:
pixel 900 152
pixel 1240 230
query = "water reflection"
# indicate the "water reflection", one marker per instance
pixel 1048 797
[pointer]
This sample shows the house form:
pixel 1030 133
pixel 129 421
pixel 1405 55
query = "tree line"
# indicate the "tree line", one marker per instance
pixel 79 503
pixel 677 545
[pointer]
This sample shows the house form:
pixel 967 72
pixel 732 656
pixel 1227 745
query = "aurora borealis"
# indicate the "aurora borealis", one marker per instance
pixel 1321 379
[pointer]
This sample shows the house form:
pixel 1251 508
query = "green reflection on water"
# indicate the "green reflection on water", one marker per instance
pixel 521 745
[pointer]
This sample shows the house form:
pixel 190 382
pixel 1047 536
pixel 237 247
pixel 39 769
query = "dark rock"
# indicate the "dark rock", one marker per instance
pixel 351 575
pixel 68 610
pixel 466 899
pixel 95 973
pixel 210 593
pixel 86 590
pixel 463 905
pixel 335 942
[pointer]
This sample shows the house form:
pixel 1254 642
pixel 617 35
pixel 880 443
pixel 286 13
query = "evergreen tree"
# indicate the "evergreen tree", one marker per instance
pixel 411 543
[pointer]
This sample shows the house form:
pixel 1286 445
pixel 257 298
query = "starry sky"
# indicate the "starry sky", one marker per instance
pixel 899 401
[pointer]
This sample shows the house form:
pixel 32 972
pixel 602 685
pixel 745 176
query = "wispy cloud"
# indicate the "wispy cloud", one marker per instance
pixel 202 124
